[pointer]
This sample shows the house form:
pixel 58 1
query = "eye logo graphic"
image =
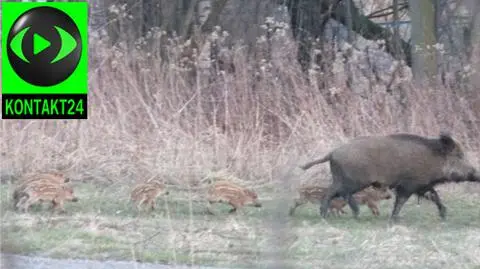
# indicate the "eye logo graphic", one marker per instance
pixel 44 46
pixel 44 73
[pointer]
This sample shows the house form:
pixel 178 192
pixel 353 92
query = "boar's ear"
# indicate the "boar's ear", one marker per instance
pixel 447 142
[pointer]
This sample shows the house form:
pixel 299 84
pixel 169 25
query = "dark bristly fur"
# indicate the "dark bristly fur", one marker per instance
pixel 409 164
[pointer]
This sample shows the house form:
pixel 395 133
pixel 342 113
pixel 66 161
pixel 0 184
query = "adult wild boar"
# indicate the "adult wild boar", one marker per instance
pixel 409 164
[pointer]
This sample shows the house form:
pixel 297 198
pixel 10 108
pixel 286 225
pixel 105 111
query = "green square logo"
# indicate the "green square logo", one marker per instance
pixel 45 60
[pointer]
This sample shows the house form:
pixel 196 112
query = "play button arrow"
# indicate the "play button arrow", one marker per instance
pixel 39 44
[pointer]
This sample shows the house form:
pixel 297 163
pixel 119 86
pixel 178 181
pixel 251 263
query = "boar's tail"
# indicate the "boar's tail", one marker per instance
pixel 312 163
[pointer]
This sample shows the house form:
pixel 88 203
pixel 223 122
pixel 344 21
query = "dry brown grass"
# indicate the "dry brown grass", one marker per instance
pixel 150 119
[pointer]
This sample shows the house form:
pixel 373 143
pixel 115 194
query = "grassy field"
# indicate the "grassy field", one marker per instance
pixel 104 225
pixel 149 116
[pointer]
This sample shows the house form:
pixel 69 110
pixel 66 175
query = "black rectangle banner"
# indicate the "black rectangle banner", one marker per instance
pixel 44 106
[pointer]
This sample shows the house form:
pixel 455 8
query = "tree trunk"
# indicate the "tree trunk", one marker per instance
pixel 152 15
pixel 308 18
pixel 372 31
pixel 422 13
pixel 214 16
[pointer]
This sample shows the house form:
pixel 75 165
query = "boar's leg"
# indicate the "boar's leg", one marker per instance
pixel 19 205
pixel 336 206
pixel 141 203
pixel 153 204
pixel 335 212
pixel 18 199
pixel 235 205
pixel 418 199
pixel 337 190
pixel 425 194
pixel 343 186
pixel 296 203
pixel 400 199
pixel 209 207
pixel 373 207
pixel 56 207
pixel 331 193
pixel 30 201
pixel 442 210
pixel 353 204
pixel 339 211
pixel 432 195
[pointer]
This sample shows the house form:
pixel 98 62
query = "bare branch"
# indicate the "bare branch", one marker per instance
pixel 388 11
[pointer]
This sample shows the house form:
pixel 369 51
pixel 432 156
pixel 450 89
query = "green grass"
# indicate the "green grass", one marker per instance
pixel 104 225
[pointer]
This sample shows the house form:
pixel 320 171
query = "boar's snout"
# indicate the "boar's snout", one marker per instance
pixel 258 204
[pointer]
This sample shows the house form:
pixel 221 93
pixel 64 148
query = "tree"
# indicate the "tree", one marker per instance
pixel 308 19
pixel 422 14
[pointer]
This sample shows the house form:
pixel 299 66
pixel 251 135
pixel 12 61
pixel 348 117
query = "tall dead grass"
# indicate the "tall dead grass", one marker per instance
pixel 148 116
